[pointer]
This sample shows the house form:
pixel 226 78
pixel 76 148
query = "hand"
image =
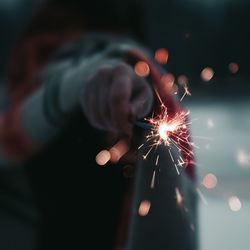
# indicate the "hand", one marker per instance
pixel 114 96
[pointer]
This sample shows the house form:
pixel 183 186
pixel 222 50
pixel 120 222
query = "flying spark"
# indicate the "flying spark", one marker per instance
pixel 179 197
pixel 171 132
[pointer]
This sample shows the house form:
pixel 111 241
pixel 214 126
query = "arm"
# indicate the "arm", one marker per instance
pixel 92 76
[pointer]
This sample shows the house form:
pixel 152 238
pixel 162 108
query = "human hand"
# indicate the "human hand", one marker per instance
pixel 114 96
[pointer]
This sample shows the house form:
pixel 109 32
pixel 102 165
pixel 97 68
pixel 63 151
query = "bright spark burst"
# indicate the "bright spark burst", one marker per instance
pixel 186 92
pixel 171 132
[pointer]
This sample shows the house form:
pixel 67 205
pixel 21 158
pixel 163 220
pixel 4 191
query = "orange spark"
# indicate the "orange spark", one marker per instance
pixel 207 74
pixel 161 56
pixel 142 69
pixel 144 208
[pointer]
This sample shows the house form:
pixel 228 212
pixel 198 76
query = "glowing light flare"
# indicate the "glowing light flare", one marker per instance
pixel 210 123
pixel 167 82
pixel 144 208
pixel 114 154
pixel 243 158
pixel 209 181
pixel 119 150
pixel 165 130
pixel 175 89
pixel 234 203
pixel 142 69
pixel 161 56
pixel 182 80
pixel 172 132
pixel 103 157
pixel 233 67
pixel 207 74
pixel 179 198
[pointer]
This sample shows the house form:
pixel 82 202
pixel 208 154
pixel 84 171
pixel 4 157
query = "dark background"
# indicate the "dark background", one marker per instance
pixel 197 34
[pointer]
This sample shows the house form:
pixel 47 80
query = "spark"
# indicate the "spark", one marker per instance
pixel 209 181
pixel 181 162
pixel 161 56
pixel 179 198
pixel 177 170
pixel 186 91
pixel 142 69
pixel 234 203
pixel 233 67
pixel 243 158
pixel 171 155
pixel 157 160
pixel 114 154
pixel 153 181
pixel 103 157
pixel 201 196
pixel 210 123
pixel 207 74
pixel 144 207
pixel 169 131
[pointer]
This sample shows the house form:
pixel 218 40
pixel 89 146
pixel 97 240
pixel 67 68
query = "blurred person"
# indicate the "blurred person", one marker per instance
pixel 67 78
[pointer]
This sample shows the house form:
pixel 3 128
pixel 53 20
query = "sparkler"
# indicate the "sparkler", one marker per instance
pixel 169 131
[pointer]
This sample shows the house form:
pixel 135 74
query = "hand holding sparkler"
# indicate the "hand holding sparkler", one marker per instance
pixel 113 95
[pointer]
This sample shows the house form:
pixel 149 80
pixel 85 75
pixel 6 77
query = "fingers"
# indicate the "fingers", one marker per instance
pixel 114 95
pixel 142 100
pixel 95 100
pixel 120 94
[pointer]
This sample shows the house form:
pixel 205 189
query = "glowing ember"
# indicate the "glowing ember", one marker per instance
pixel 210 123
pixel 142 69
pixel 168 130
pixel 161 56
pixel 119 150
pixel 144 208
pixel 179 198
pixel 209 181
pixel 182 80
pixel 103 157
pixel 243 158
pixel 171 132
pixel 234 203
pixel 233 68
pixel 168 82
pixel 207 74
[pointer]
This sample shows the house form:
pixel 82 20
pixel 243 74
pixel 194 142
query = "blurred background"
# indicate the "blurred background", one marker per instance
pixel 198 34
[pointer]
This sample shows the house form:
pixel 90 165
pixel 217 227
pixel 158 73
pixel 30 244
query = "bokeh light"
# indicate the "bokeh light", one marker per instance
pixel 179 198
pixel 182 80
pixel 233 67
pixel 161 56
pixel 142 69
pixel 103 157
pixel 207 74
pixel 144 207
pixel 209 181
pixel 168 82
pixel 234 203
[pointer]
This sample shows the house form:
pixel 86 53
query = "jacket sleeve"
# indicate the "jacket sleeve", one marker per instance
pixel 38 118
